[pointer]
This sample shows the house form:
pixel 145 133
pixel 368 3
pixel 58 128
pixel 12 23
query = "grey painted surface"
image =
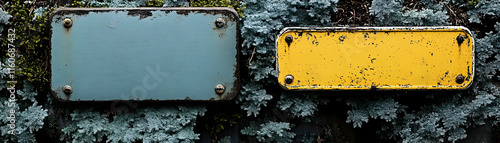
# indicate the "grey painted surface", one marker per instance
pixel 144 54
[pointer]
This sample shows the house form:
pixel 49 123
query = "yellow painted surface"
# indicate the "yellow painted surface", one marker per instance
pixel 375 58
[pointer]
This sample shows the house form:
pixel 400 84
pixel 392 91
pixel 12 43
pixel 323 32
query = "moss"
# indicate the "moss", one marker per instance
pixel 219 119
pixel 495 134
pixel 78 3
pixel 220 3
pixel 222 120
pixel 32 28
pixel 31 41
pixel 473 2
pixel 154 3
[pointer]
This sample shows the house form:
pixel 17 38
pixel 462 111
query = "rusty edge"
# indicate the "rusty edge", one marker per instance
pixel 353 29
pixel 231 93
pixel 180 10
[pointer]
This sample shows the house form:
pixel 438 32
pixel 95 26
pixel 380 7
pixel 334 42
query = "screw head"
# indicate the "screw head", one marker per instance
pixel 68 23
pixel 288 79
pixel 288 39
pixel 220 22
pixel 460 79
pixel 219 89
pixel 67 89
pixel 460 39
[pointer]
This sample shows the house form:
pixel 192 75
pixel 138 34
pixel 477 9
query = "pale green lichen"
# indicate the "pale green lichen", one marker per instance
pixel 392 13
pixel 262 22
pixel 270 132
pixel 171 124
pixel 439 120
pixel 443 119
pixel 4 19
pixel 300 105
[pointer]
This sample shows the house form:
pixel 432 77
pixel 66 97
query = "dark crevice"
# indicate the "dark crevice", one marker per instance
pixel 353 13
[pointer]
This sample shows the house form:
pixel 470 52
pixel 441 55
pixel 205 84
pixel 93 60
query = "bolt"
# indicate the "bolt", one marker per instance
pixel 67 89
pixel 288 79
pixel 460 39
pixel 460 79
pixel 220 22
pixel 219 89
pixel 68 23
pixel 288 39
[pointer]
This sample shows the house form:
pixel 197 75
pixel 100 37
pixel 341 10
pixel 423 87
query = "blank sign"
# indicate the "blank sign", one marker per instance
pixel 101 54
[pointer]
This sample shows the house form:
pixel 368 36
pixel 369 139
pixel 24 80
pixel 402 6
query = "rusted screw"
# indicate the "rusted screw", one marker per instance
pixel 219 89
pixel 460 79
pixel 288 79
pixel 220 22
pixel 68 23
pixel 67 89
pixel 460 39
pixel 288 39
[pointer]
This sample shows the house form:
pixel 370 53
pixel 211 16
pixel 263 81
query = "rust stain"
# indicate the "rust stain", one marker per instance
pixel 219 97
pixel 67 30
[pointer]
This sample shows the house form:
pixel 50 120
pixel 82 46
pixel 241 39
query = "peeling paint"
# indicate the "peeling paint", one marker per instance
pixel 142 14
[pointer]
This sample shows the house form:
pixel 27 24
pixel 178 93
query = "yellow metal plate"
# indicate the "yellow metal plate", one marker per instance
pixel 387 58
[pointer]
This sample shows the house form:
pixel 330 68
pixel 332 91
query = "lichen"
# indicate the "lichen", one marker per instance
pixel 262 22
pixel 300 105
pixel 270 131
pixel 447 117
pixel 171 124
pixel 393 13
pixel 23 116
pixel 4 19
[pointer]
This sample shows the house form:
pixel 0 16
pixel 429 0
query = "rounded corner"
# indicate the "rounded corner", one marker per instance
pixel 55 96
pixel 56 12
pixel 284 87
pixel 285 30
pixel 468 84
pixel 449 86
pixel 233 11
